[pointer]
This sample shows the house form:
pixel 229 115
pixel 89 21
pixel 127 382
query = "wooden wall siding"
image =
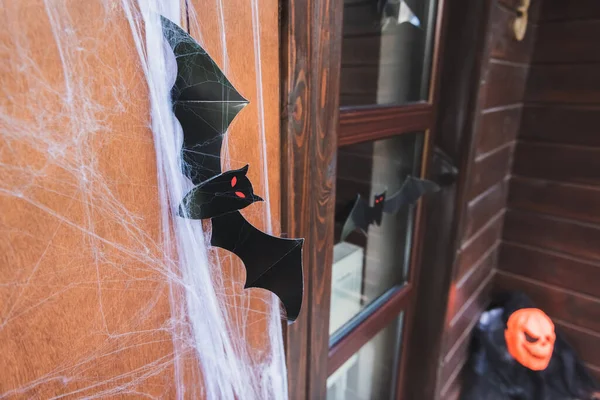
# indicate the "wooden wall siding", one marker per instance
pixel 496 127
pixel 551 238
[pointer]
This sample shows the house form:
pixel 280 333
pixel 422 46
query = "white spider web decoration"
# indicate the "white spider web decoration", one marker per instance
pixel 103 292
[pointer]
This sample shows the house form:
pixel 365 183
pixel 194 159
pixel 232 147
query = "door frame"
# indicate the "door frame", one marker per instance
pixel 311 37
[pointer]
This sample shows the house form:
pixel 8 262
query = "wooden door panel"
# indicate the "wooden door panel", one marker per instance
pixel 84 287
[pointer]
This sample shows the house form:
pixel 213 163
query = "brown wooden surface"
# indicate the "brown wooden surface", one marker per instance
pixel 551 267
pixel 489 171
pixel 462 68
pixel 565 200
pixel 311 41
pixel 566 124
pixel 566 305
pixel 564 235
pixel 92 318
pixel 500 127
pixel 357 125
pixel 505 83
pixel 483 209
pixel 563 83
pixel 494 130
pixel 558 10
pixel 552 232
pixel 567 42
pixel 569 164
pixel 479 244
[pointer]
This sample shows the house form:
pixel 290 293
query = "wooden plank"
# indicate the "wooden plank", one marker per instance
pixel 489 171
pixel 568 42
pixel 474 249
pixel 358 125
pixel 484 208
pixel 579 240
pixel 497 129
pixel 455 362
pixel 469 316
pixel 461 292
pixel 311 40
pixel 570 83
pixel 576 125
pixel 585 343
pixel 569 164
pixel 565 200
pixel 550 267
pixel 565 305
pixel 558 10
pixel 503 45
pixel 497 91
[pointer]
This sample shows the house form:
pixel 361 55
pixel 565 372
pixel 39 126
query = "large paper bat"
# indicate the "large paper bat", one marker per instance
pixel 205 103
pixel 359 214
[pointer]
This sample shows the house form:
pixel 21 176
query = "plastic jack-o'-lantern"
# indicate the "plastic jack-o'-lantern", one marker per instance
pixel 530 338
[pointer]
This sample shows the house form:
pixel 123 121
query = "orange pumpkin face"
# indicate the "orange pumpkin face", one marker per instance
pixel 530 338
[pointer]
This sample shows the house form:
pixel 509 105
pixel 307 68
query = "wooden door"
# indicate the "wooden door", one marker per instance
pixel 85 283
pixel 363 107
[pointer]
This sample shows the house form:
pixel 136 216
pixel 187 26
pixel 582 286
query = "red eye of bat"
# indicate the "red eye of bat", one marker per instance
pixel 233 181
pixel 240 194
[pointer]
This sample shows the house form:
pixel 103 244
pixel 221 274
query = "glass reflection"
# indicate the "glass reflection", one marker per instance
pixel 368 265
pixel 386 51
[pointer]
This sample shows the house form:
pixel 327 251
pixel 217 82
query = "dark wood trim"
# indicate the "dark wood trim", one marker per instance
pixel 363 124
pixel 310 69
pixel 457 106
pixel 368 328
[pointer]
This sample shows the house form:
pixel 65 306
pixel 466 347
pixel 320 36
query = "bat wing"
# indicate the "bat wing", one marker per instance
pixel 412 189
pixel 356 216
pixel 204 102
pixel 272 263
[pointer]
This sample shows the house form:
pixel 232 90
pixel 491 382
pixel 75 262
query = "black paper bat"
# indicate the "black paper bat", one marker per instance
pixel 359 215
pixel 205 103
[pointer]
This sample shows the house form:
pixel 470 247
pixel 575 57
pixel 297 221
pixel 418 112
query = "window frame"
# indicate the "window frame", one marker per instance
pixel 310 98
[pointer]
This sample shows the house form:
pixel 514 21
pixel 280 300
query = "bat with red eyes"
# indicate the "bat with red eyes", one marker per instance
pixel 205 103
pixel 359 214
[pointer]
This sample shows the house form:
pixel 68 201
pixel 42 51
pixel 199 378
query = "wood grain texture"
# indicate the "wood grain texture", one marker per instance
pixel 569 83
pixel 568 306
pixel 557 10
pixel 84 308
pixel 567 42
pixel 462 291
pixel 565 236
pixel 585 343
pixel 562 124
pixel 92 316
pixel 478 245
pixel 578 202
pixel 498 128
pixel 484 208
pixel 358 125
pixel 505 84
pixel 489 171
pixel 553 268
pixel 569 164
pixel 311 39
pixel 466 320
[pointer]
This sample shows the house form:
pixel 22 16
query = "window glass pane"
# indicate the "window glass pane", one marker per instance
pixel 386 51
pixel 369 264
pixel 371 372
